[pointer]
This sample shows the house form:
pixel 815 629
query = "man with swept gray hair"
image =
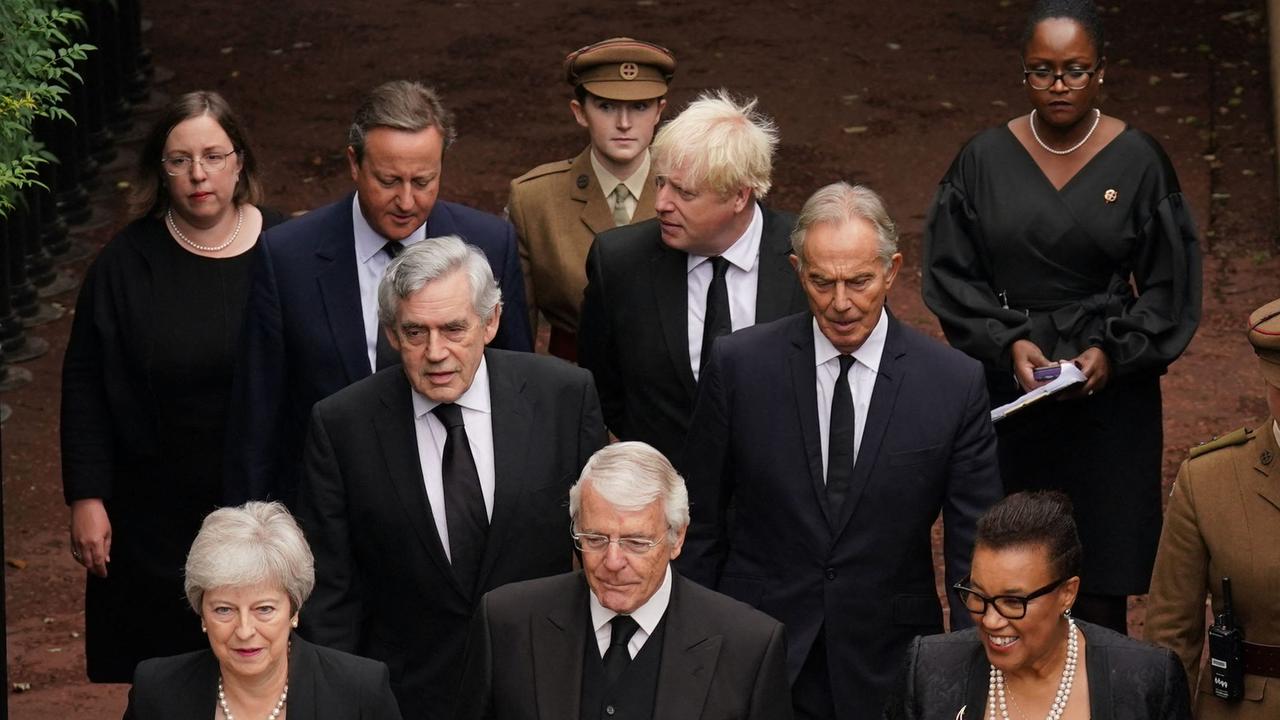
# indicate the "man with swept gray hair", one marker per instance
pixel 661 291
pixel 311 324
pixel 625 637
pixel 837 436
pixel 428 483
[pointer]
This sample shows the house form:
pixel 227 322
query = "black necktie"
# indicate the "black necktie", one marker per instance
pixel 617 658
pixel 840 432
pixel 384 354
pixel 717 321
pixel 464 512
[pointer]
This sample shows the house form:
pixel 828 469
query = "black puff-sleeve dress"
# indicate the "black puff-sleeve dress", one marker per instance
pixel 1111 260
pixel 145 382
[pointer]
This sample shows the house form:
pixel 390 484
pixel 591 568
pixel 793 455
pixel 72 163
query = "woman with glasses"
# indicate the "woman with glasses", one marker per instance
pixel 1028 658
pixel 146 377
pixel 1063 236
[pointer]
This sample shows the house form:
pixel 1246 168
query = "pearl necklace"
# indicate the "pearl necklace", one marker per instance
pixel 168 215
pixel 1097 118
pixel 226 711
pixel 996 694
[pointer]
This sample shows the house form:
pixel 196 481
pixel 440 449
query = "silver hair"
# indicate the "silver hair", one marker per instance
pixel 255 543
pixel 839 203
pixel 720 143
pixel 630 476
pixel 400 105
pixel 433 259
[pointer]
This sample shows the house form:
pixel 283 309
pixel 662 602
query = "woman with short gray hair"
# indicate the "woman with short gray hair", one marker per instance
pixel 248 574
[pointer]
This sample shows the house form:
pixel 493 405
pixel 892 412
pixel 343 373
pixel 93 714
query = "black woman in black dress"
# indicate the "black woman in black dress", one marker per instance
pixel 1064 236
pixel 145 381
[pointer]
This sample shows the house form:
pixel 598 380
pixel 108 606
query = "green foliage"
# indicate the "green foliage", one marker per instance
pixel 37 63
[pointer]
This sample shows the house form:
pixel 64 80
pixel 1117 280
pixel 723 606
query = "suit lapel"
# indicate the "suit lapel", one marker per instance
pixel 559 640
pixel 889 381
pixel 304 702
pixel 689 657
pixel 394 423
pixel 804 384
pixel 340 293
pixel 1267 464
pixel 512 421
pixel 671 293
pixel 776 285
pixel 976 687
pixel 596 213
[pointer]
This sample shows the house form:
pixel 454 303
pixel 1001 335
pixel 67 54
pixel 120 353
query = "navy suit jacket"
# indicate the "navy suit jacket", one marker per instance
pixel 762 531
pixel 303 336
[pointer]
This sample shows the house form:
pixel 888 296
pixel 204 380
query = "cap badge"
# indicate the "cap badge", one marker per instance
pixel 582 181
pixel 628 70
pixel 1110 196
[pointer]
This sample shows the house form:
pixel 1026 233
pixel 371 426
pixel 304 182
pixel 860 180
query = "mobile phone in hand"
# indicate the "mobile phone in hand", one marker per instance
pixel 1045 374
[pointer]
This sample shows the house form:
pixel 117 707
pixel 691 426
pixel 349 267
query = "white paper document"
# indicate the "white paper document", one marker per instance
pixel 1070 375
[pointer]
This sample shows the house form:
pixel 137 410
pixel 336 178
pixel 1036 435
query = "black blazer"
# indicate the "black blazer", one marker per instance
pixel 1128 679
pixel 633 333
pixel 303 337
pixel 324 684
pixel 384 586
pixel 720 658
pixel 865 573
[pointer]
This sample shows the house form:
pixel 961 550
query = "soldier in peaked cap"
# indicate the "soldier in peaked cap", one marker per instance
pixel 1224 521
pixel 557 208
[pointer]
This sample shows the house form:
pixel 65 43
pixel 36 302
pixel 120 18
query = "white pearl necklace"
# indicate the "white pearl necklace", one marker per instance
pixel 996 694
pixel 226 711
pixel 1097 118
pixel 168 215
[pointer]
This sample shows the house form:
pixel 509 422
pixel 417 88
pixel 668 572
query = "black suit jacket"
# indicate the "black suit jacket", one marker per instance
pixel 720 658
pixel 324 684
pixel 633 334
pixel 1128 679
pixel 303 337
pixel 384 586
pixel 865 572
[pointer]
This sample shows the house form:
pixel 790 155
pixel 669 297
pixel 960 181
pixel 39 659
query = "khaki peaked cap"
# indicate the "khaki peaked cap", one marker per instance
pixel 621 69
pixel 1264 335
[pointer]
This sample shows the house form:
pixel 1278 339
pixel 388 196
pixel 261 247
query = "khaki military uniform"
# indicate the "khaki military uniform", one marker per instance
pixel 557 209
pixel 1223 521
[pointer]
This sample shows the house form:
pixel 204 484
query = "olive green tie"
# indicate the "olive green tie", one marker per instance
pixel 620 215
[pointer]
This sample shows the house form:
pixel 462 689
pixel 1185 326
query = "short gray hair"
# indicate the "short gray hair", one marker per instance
pixel 400 105
pixel 839 203
pixel 430 260
pixel 255 543
pixel 630 476
pixel 721 143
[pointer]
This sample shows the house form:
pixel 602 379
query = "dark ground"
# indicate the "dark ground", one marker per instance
pixel 871 92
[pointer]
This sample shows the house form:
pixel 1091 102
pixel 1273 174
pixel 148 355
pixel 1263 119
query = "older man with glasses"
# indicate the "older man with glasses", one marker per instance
pixel 626 636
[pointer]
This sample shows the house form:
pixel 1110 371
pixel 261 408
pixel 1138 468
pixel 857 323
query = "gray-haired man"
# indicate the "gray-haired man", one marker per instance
pixel 429 483
pixel 626 637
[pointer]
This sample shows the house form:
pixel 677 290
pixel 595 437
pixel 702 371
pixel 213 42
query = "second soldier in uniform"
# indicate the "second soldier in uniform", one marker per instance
pixel 559 207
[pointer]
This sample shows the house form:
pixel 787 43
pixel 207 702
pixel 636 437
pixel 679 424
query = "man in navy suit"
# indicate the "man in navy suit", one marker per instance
pixel 311 324
pixel 837 436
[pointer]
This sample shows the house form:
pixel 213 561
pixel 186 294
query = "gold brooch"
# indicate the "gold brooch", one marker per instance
pixel 1110 195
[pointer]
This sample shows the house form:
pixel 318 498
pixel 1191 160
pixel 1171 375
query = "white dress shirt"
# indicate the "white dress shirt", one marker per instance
pixel 431 434
pixel 862 381
pixel 370 264
pixel 609 182
pixel 742 279
pixel 647 616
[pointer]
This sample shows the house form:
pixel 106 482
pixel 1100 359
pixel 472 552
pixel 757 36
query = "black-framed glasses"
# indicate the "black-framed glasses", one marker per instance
pixel 1012 607
pixel 595 543
pixel 211 162
pixel 1073 79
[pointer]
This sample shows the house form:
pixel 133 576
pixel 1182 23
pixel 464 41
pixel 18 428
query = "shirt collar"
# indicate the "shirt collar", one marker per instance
pixel 368 242
pixel 868 354
pixel 608 181
pixel 475 398
pixel 647 616
pixel 1275 430
pixel 745 251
